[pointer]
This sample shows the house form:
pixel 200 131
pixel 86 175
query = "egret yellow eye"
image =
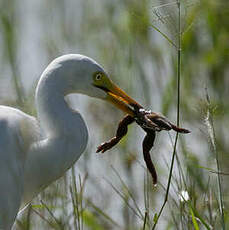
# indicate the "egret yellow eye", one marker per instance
pixel 98 76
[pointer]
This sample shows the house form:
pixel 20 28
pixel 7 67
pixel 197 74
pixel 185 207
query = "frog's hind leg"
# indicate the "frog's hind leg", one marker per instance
pixel 121 132
pixel 147 144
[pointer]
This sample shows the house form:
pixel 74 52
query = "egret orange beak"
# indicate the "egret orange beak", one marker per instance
pixel 117 96
pixel 121 100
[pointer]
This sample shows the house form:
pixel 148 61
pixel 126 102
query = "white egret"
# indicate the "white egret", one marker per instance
pixel 34 153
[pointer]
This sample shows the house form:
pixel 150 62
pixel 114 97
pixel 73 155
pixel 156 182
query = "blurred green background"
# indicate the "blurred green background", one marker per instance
pixel 113 191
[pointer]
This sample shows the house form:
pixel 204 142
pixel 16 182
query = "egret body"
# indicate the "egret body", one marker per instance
pixel 36 152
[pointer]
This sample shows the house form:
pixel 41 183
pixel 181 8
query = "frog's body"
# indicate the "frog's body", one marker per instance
pixel 151 123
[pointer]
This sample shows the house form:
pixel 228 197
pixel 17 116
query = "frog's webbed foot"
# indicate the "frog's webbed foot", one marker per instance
pixel 107 145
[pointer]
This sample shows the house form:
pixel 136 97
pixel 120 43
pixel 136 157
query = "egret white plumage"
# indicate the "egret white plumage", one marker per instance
pixel 34 153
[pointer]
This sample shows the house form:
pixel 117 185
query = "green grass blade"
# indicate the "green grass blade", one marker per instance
pixel 196 227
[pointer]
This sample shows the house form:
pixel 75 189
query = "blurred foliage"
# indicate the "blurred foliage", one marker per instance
pixel 122 36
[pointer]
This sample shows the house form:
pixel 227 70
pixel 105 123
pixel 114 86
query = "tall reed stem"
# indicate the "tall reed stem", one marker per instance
pixel 178 113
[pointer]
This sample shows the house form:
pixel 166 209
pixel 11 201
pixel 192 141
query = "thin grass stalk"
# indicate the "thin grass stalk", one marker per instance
pixel 75 198
pixel 147 196
pixel 145 220
pixel 164 35
pixel 52 215
pixel 178 113
pixel 74 207
pixel 168 185
pixel 209 203
pixel 195 224
pixel 128 191
pixel 102 213
pixel 213 171
pixel 175 221
pixel 195 214
pixel 81 201
pixel 213 140
pixel 44 219
pixel 28 217
pixel 124 199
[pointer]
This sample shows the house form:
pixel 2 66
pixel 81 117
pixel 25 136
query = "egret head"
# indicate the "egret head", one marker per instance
pixel 83 75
